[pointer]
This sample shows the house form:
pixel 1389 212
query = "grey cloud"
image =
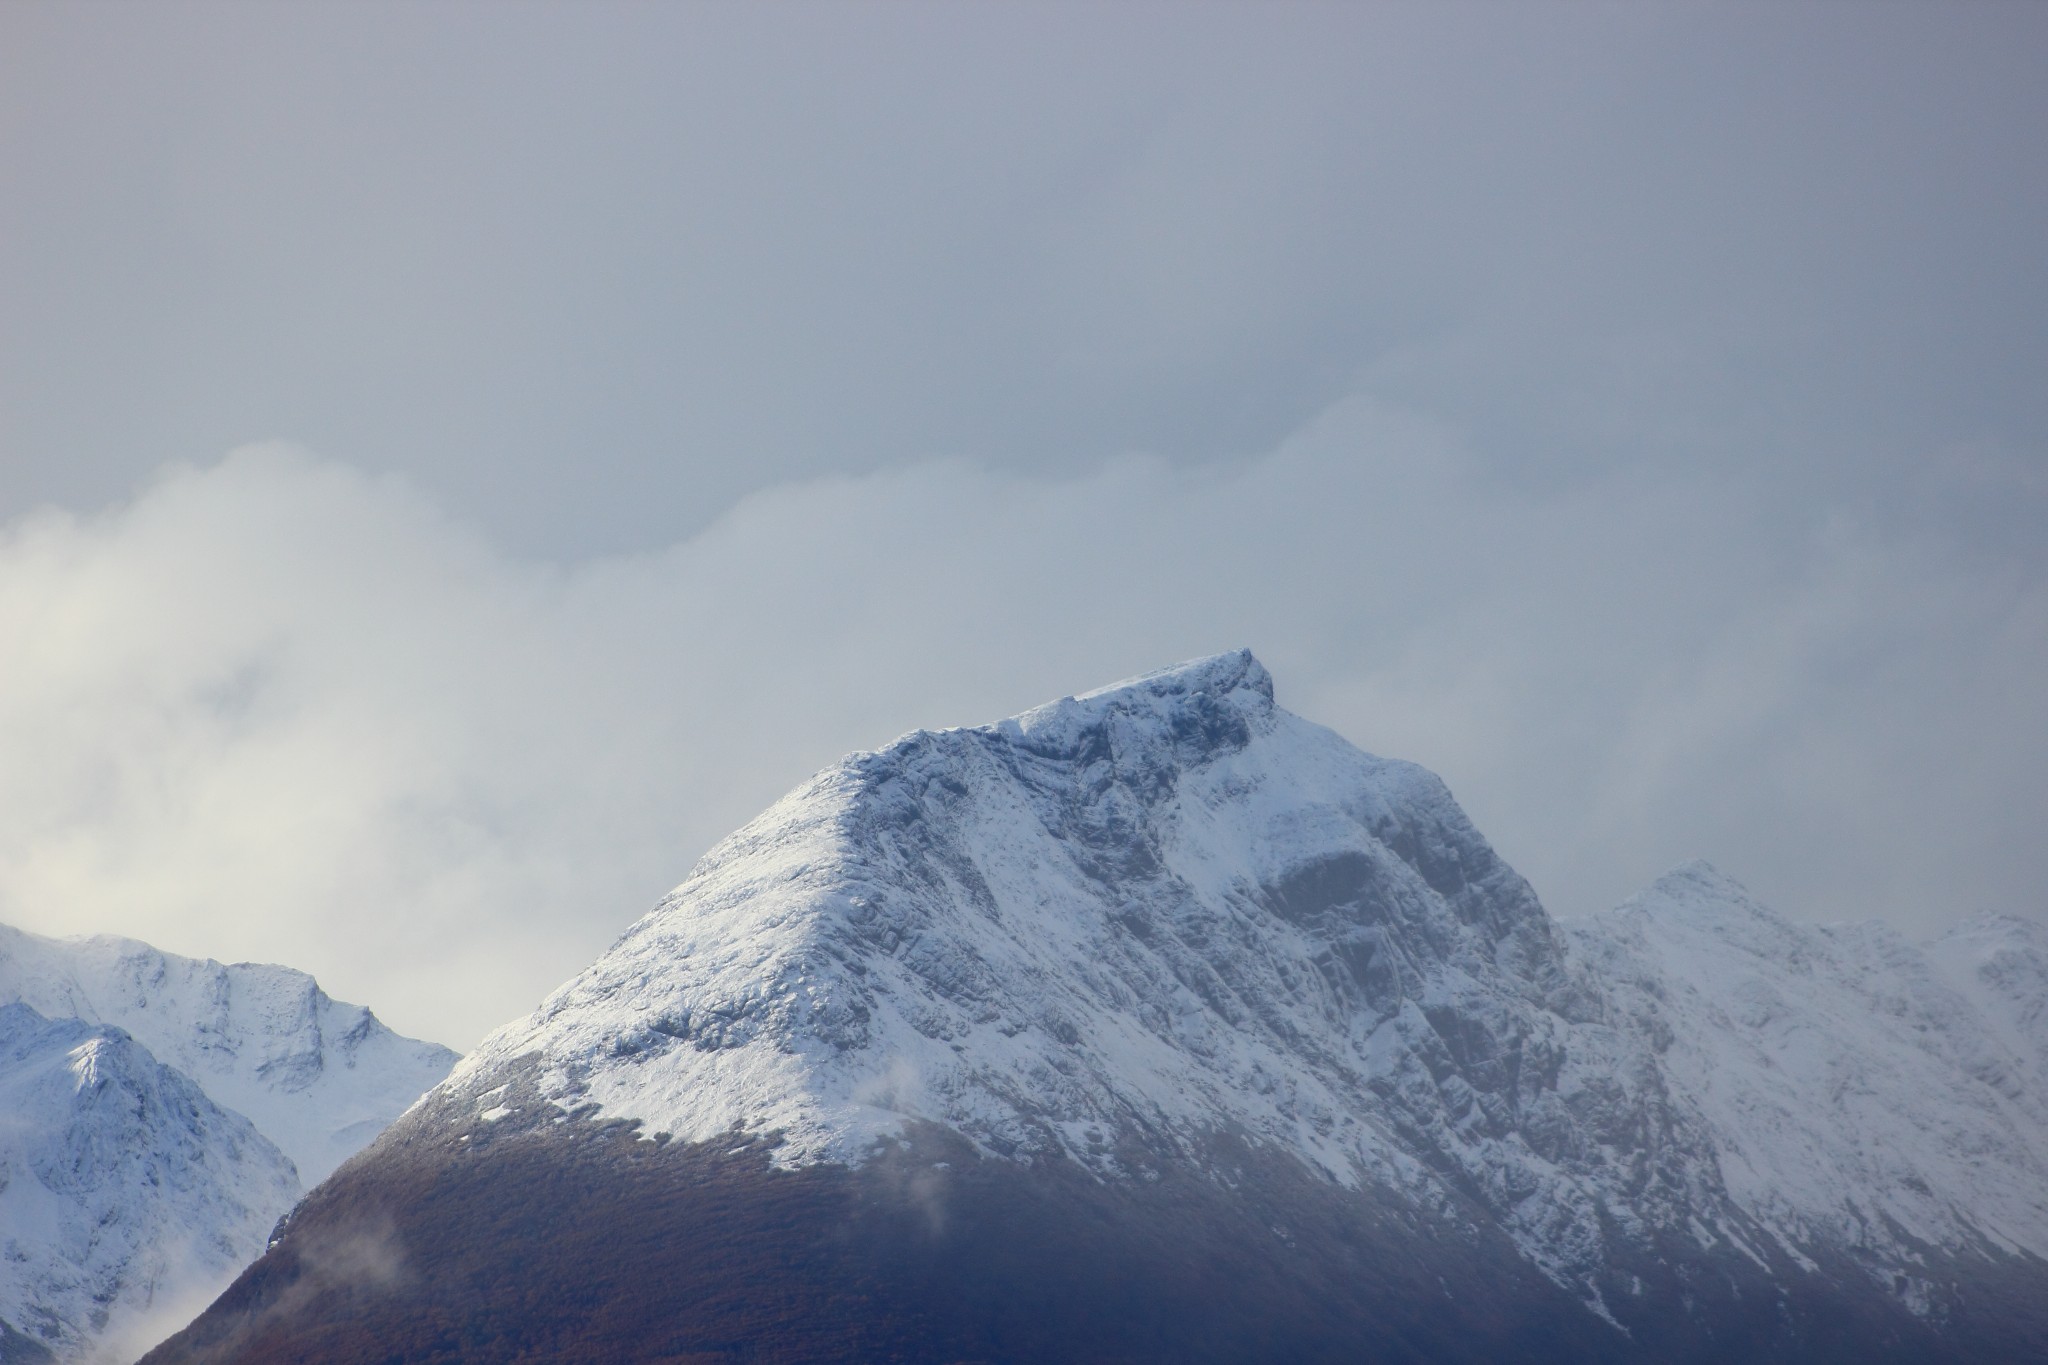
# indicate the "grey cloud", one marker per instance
pixel 1631 411
pixel 592 274
pixel 276 708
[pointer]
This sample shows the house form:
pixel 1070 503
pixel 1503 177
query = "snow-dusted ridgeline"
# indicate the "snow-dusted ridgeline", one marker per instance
pixel 161 1113
pixel 1860 1092
pixel 318 1077
pixel 127 1197
pixel 1999 963
pixel 1163 989
pixel 1167 909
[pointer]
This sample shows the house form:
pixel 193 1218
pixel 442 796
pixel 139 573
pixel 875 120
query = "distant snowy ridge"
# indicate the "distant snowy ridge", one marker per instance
pixel 160 1114
pixel 1117 926
pixel 1856 1092
pixel 318 1077
pixel 2000 964
pixel 127 1197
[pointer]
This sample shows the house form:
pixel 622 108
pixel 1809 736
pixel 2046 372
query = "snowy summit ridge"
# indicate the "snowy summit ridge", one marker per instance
pixel 1118 914
pixel 1161 1001
pixel 124 1191
pixel 1117 926
pixel 160 1114
pixel 318 1076
pixel 1112 928
pixel 1856 1092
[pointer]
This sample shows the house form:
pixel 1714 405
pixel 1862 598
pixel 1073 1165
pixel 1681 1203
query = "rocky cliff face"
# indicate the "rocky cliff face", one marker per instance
pixel 1164 988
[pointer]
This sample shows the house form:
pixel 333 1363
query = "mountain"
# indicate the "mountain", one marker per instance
pixel 1844 1074
pixel 2000 963
pixel 126 1195
pixel 318 1077
pixel 1158 1024
pixel 159 1115
pixel 1864 1097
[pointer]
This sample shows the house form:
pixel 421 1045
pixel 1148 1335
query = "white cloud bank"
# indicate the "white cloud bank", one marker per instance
pixel 276 709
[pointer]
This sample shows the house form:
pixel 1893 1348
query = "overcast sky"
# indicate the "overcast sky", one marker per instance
pixel 458 462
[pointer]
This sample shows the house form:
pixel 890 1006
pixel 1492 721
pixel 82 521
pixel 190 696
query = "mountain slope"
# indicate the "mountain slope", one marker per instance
pixel 1111 914
pixel 197 1096
pixel 318 1077
pixel 1154 1024
pixel 1999 963
pixel 125 1193
pixel 1856 1101
pixel 1108 930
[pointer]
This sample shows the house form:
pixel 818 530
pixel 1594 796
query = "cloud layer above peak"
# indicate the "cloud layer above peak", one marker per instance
pixel 277 708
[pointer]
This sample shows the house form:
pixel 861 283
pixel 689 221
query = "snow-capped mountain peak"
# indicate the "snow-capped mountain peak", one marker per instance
pixel 1117 925
pixel 1159 979
pixel 127 1197
pixel 1158 908
pixel 161 1115
pixel 2000 964
pixel 1231 691
pixel 1854 1097
pixel 317 1076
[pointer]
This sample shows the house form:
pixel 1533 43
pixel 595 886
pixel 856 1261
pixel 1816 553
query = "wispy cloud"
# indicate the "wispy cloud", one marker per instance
pixel 276 708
